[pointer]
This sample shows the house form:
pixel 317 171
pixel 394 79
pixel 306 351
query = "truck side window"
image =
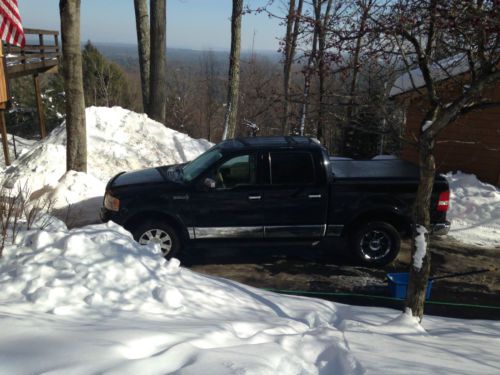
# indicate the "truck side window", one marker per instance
pixel 239 170
pixel 292 168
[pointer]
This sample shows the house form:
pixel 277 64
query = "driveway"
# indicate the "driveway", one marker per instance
pixel 336 278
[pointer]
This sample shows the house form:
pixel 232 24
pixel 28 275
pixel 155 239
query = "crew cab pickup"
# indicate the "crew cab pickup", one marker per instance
pixel 276 190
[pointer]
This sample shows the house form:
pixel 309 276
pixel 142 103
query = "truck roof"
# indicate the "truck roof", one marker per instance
pixel 270 142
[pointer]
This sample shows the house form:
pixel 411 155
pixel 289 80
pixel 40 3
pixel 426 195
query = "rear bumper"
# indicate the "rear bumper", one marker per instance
pixel 441 229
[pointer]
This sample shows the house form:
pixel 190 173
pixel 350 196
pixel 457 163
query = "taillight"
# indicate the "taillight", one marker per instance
pixel 443 201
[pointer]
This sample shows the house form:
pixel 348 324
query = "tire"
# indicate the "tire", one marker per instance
pixel 375 243
pixel 161 232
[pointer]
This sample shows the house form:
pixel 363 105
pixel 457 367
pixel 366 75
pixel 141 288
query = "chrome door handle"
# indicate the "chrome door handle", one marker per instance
pixel 181 197
pixel 314 196
pixel 254 197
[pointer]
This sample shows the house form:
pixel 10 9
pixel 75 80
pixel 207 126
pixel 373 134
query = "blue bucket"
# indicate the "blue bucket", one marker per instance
pixel 398 282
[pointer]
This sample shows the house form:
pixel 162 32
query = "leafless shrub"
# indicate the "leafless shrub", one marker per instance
pixel 18 211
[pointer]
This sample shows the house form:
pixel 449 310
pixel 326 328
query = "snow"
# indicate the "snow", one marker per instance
pixel 421 247
pixel 440 70
pixel 77 198
pixel 92 301
pixel 22 146
pixel 118 140
pixel 474 210
pixel 427 125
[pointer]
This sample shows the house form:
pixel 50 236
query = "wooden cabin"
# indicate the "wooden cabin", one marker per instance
pixel 471 144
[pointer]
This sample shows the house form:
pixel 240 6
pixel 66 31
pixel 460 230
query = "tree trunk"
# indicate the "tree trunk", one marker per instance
pixel 234 72
pixel 143 43
pixel 158 79
pixel 421 256
pixel 292 32
pixel 354 81
pixel 76 145
pixel 322 73
pixel 310 67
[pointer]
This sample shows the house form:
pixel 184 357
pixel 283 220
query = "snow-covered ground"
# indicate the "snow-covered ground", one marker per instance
pixel 474 210
pixel 17 146
pixel 93 301
pixel 118 140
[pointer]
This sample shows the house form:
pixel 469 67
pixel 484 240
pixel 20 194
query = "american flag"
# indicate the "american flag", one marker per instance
pixel 11 29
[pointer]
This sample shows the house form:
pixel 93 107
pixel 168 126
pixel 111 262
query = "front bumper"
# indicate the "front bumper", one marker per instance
pixel 441 229
pixel 105 215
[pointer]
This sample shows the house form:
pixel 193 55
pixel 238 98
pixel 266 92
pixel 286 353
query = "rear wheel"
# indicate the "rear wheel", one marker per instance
pixel 161 233
pixel 376 243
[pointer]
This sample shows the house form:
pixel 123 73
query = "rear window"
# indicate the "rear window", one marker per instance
pixel 291 168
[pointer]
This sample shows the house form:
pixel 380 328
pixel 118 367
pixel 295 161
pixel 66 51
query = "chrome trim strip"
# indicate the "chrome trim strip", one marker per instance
pixel 191 233
pixel 228 232
pixel 334 230
pixel 292 231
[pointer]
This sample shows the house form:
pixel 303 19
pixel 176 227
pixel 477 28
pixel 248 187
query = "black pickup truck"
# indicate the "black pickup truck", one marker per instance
pixel 273 190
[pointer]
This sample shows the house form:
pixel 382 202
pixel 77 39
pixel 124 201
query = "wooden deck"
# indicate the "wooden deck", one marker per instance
pixel 41 56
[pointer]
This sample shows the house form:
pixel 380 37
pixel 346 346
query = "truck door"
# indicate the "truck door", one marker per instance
pixel 230 210
pixel 295 197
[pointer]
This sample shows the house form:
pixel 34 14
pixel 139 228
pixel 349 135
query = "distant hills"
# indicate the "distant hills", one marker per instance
pixel 126 55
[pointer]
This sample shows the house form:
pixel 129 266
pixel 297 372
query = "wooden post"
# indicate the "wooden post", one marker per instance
pixel 39 106
pixel 42 50
pixel 3 130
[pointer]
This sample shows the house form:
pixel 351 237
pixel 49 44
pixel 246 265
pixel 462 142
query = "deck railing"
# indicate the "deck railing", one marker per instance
pixel 40 54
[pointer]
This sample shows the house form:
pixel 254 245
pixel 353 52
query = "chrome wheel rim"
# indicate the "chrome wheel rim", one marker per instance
pixel 158 236
pixel 375 245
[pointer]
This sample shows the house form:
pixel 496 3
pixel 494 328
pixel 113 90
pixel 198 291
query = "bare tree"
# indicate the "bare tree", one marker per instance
pixel 143 44
pixel 454 46
pixel 322 69
pixel 260 97
pixel 181 91
pixel 210 84
pixel 158 74
pixel 76 146
pixel 364 11
pixel 234 72
pixel 310 69
pixel 292 33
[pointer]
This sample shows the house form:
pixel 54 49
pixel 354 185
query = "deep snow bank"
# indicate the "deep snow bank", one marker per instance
pixel 93 301
pixel 100 271
pixel 474 210
pixel 118 140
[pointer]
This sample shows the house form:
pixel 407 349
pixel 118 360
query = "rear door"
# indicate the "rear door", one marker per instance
pixel 295 196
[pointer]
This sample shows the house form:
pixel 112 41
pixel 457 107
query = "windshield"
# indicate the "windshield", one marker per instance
pixel 201 163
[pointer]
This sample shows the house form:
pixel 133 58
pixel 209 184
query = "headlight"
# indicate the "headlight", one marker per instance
pixel 111 203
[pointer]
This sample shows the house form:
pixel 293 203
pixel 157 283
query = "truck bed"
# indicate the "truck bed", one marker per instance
pixel 381 170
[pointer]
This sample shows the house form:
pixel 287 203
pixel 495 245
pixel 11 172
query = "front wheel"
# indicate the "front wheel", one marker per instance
pixel 376 243
pixel 161 233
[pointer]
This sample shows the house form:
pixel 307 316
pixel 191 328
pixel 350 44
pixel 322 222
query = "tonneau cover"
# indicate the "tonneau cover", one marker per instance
pixel 394 168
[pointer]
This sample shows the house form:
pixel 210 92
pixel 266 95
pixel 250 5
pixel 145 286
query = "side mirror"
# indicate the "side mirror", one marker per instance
pixel 209 183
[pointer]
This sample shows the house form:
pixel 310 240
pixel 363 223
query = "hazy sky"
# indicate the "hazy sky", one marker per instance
pixel 196 24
